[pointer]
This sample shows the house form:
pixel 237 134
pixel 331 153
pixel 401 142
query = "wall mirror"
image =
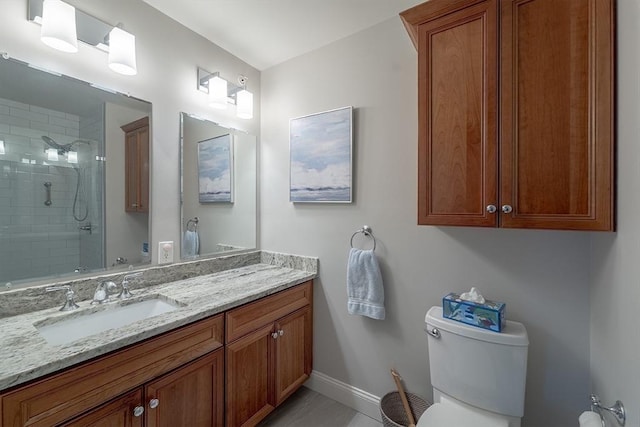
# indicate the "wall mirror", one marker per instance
pixel 62 165
pixel 219 179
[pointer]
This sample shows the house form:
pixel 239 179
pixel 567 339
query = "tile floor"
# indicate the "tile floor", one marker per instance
pixel 310 409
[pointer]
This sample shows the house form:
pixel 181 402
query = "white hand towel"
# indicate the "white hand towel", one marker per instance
pixel 191 244
pixel 590 419
pixel 364 285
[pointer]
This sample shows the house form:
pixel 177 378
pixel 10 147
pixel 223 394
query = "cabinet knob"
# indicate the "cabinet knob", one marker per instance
pixel 507 209
pixel 138 410
pixel 274 335
pixel 153 403
pixel 281 332
pixel 491 208
pixel 134 205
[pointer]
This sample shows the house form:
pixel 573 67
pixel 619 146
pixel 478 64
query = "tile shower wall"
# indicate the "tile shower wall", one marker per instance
pixel 35 239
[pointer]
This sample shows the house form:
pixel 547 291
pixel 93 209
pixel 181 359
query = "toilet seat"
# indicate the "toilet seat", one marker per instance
pixel 446 415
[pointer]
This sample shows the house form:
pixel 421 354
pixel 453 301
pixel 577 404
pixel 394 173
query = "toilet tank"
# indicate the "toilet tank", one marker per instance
pixel 482 368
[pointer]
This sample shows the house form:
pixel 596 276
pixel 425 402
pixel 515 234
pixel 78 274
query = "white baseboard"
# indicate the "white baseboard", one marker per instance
pixel 360 400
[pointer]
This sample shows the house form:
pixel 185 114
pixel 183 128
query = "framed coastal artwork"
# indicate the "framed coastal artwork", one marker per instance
pixel 320 147
pixel 215 170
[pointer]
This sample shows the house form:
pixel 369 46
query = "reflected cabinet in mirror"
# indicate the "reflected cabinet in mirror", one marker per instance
pixel 62 168
pixel 219 179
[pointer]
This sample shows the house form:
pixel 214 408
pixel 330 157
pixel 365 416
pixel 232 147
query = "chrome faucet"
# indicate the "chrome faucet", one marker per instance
pixel 69 303
pixel 125 292
pixel 101 295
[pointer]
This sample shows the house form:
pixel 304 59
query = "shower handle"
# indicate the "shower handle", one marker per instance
pixel 47 185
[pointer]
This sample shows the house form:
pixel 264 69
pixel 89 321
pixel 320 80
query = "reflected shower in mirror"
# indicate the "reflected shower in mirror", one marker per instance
pixel 61 177
pixel 219 180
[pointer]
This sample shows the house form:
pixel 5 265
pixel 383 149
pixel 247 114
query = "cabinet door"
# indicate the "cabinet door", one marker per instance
pixel 293 352
pixel 131 172
pixel 192 395
pixel 457 86
pixel 557 114
pixel 249 368
pixel 117 413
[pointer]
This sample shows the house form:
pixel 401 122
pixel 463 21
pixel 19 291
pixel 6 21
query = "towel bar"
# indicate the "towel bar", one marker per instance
pixel 366 230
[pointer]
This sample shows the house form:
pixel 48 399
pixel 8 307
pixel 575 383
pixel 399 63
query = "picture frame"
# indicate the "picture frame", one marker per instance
pixel 215 170
pixel 321 159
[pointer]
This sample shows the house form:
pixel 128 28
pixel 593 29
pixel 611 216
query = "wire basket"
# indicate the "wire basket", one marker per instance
pixel 392 411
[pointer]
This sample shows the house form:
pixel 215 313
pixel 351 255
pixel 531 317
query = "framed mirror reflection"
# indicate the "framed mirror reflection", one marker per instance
pixel 219 188
pixel 62 168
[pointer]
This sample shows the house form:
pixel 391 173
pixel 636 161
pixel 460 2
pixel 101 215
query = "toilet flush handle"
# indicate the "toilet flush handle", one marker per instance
pixel 434 332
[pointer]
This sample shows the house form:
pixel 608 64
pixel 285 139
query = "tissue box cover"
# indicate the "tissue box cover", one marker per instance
pixel 489 315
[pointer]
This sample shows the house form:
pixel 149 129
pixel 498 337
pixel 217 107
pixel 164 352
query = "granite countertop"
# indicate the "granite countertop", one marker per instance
pixel 26 355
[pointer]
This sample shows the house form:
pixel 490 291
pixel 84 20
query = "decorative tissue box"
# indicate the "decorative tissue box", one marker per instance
pixel 489 315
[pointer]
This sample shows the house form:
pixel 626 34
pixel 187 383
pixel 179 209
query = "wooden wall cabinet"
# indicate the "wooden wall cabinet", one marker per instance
pixel 516 107
pixel 268 353
pixel 136 140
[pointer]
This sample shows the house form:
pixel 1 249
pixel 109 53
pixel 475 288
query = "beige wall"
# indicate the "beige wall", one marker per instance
pixel 615 288
pixel 542 275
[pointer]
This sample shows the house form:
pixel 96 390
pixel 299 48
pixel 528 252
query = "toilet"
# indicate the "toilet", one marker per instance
pixel 478 376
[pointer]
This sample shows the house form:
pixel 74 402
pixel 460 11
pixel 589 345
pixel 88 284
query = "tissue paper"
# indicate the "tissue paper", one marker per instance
pixel 474 310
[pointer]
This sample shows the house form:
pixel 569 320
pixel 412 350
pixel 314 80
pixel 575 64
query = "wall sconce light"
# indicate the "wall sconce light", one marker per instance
pixel 218 92
pixel 52 154
pixel 221 93
pixel 63 25
pixel 59 26
pixel 72 157
pixel 122 52
pixel 2 147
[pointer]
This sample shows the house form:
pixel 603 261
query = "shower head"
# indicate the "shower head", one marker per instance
pixel 62 149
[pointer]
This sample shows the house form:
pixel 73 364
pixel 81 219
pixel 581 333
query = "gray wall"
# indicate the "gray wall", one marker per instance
pixel 615 293
pixel 167 55
pixel 542 276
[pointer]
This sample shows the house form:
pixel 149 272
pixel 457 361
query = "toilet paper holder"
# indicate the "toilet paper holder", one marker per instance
pixel 616 410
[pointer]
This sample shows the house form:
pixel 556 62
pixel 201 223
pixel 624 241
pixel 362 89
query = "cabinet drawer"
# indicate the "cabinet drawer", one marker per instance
pixel 252 316
pixel 57 398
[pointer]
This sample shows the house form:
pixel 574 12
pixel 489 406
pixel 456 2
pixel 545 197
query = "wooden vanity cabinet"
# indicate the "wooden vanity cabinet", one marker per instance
pixel 515 105
pixel 136 173
pixel 147 368
pixel 268 353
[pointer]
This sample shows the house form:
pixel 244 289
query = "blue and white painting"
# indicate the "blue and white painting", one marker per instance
pixel 215 170
pixel 320 146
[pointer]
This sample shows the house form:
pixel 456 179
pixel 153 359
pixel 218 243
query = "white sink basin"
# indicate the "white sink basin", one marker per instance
pixel 110 317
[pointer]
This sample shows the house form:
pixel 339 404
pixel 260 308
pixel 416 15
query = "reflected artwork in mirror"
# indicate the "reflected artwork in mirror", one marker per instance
pixel 230 224
pixel 61 177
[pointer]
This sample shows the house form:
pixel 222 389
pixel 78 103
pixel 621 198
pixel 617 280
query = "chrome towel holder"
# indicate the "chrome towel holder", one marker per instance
pixel 616 410
pixel 366 230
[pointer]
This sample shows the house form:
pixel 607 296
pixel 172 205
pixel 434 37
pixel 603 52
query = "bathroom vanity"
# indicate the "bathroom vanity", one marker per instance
pixel 251 325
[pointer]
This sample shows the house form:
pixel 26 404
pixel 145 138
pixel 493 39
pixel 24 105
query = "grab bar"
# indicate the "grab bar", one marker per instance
pixel 47 185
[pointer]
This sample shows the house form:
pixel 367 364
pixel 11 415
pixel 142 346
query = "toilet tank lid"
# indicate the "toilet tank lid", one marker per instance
pixel 514 333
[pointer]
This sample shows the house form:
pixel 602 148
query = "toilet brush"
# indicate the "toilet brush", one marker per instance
pixel 403 397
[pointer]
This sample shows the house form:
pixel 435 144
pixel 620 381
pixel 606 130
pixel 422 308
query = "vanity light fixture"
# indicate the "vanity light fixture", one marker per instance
pixel 221 92
pixel 122 52
pixel 218 92
pixel 244 104
pixel 72 157
pixel 63 25
pixel 59 26
pixel 2 147
pixel 52 154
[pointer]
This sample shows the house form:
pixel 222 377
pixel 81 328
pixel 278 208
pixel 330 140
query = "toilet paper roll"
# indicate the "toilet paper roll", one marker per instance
pixel 590 419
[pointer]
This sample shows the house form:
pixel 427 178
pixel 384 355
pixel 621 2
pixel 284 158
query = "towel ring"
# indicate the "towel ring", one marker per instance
pixel 366 230
pixel 194 223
